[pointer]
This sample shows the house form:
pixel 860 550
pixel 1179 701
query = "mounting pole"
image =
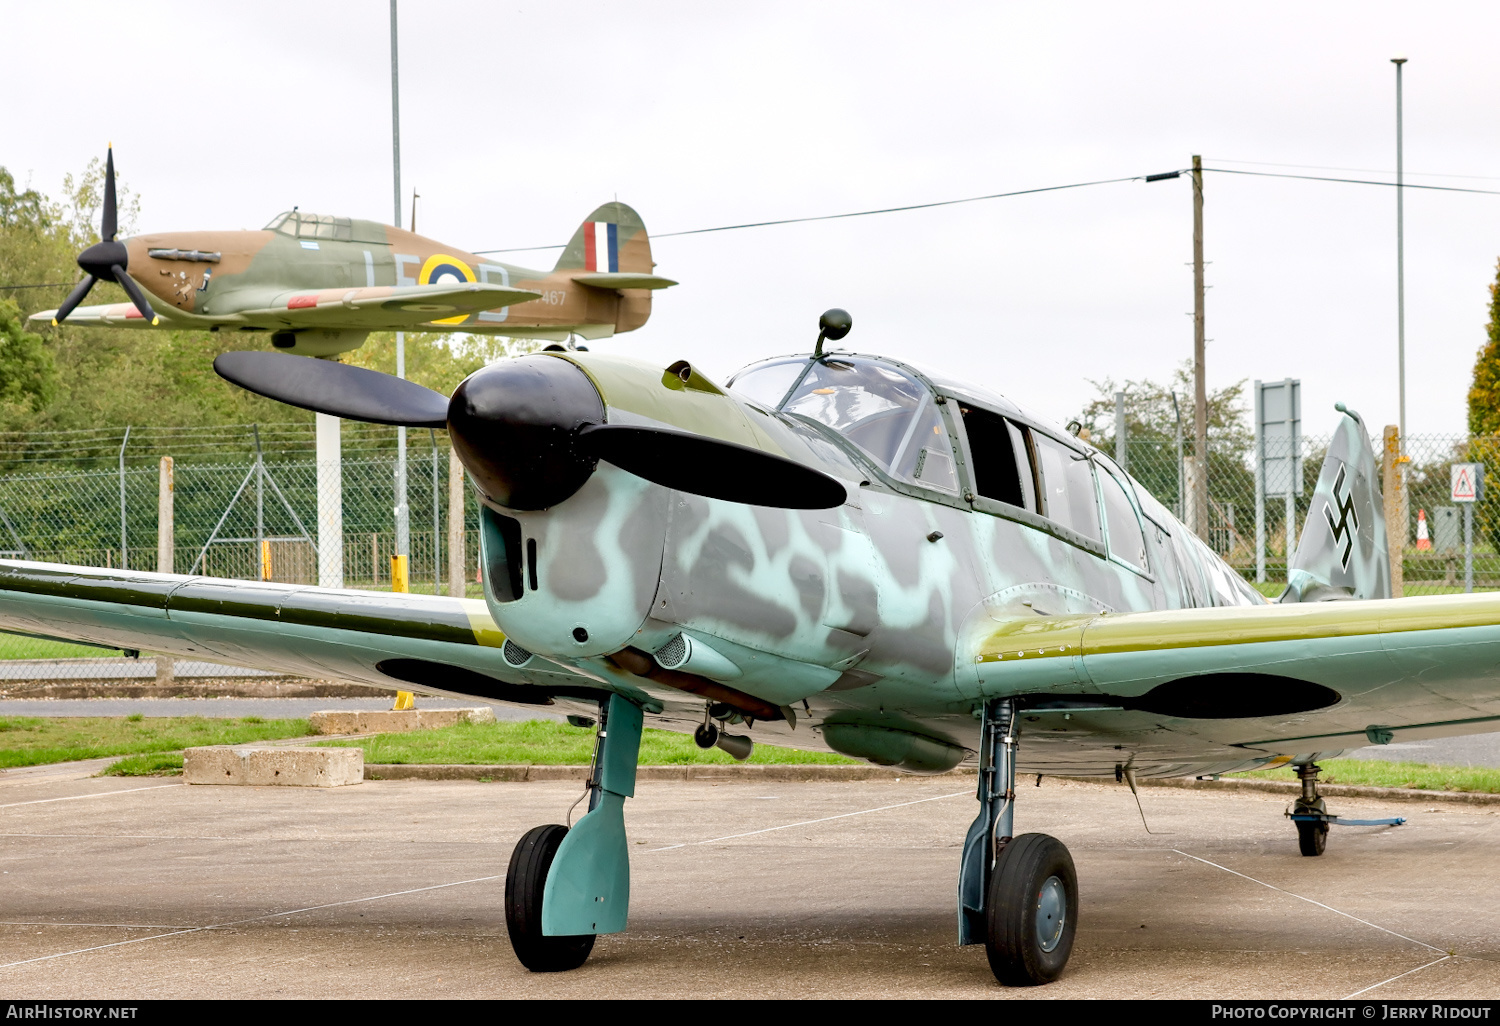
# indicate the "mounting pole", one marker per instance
pixel 1200 387
pixel 403 513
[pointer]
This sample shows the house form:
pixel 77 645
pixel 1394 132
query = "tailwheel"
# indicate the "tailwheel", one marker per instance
pixel 524 882
pixel 1312 835
pixel 1032 911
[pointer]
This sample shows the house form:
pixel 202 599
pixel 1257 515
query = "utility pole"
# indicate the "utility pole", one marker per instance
pixel 1200 387
pixel 403 513
pixel 1400 264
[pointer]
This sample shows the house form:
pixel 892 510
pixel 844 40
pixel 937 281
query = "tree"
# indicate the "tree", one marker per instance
pixel 1484 392
pixel 28 374
pixel 1151 423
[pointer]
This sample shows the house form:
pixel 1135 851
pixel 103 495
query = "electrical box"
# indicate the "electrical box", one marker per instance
pixel 1447 529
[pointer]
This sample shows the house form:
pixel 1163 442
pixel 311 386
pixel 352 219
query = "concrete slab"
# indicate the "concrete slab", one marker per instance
pixel 114 888
pixel 394 721
pixel 282 765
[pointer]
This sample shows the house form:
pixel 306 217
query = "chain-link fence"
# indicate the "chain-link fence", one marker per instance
pixel 1434 552
pixel 245 502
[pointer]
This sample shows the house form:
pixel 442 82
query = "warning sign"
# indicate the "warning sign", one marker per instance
pixel 1468 482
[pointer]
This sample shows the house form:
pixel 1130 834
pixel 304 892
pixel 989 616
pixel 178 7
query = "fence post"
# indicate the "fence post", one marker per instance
pixel 330 473
pixel 124 561
pixel 166 666
pixel 1394 502
pixel 456 560
pixel 165 527
pixel 1122 441
pixel 1260 485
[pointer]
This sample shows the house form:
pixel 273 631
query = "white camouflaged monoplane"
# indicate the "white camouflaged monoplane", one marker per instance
pixel 833 552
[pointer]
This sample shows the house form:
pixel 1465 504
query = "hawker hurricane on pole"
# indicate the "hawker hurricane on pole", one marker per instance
pixel 318 284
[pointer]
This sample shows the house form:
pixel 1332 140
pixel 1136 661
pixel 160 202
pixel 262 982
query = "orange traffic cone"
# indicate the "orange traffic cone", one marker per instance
pixel 1423 540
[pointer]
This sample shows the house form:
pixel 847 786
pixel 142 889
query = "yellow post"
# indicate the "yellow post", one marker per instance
pixel 265 560
pixel 401 582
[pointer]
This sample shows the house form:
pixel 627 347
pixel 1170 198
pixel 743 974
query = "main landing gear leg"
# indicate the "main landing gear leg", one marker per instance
pixel 564 886
pixel 1016 895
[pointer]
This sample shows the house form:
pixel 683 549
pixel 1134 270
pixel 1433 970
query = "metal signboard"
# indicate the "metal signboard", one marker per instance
pixel 1278 415
pixel 1468 482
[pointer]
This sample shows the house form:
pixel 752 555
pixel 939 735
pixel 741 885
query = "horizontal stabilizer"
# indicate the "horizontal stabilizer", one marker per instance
pixel 624 280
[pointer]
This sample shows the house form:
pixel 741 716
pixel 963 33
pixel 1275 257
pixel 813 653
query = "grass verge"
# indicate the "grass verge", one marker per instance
pixel 1378 773
pixel 545 743
pixel 161 764
pixel 35 740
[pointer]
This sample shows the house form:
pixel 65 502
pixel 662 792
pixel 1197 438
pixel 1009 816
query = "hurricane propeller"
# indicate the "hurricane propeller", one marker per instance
pixel 107 258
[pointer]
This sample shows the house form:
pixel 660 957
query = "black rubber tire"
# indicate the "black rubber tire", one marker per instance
pixel 1312 835
pixel 1016 954
pixel 524 881
pixel 706 736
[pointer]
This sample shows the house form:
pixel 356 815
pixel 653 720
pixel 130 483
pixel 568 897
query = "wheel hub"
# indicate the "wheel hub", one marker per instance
pixel 1051 913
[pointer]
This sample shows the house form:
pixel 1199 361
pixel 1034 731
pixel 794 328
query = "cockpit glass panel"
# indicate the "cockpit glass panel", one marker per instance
pixel 768 383
pixel 277 223
pixel 871 404
pixel 926 456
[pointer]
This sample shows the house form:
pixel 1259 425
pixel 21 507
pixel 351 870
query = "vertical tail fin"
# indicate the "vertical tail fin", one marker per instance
pixel 612 240
pixel 1342 553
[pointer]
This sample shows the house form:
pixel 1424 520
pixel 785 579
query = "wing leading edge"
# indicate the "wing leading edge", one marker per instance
pixel 1277 678
pixel 432 643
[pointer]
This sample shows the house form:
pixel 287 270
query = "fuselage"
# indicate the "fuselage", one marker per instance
pixel 240 280
pixel 963 513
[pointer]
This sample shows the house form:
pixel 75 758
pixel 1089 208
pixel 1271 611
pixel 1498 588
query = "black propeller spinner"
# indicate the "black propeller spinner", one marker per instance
pixel 106 259
pixel 531 431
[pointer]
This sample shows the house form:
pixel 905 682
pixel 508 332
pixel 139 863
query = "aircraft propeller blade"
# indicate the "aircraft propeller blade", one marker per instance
pixel 713 468
pixel 326 386
pixel 74 298
pixel 109 225
pixel 106 259
pixel 137 296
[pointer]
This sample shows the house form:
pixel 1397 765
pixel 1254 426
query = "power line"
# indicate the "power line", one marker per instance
pixel 1361 170
pixel 854 213
pixel 1351 181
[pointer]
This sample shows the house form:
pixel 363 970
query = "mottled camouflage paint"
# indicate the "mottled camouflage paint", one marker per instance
pixel 852 611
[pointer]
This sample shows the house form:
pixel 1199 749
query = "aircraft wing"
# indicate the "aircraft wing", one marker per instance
pixel 382 306
pixel 424 643
pixel 117 315
pixel 376 307
pixel 1276 678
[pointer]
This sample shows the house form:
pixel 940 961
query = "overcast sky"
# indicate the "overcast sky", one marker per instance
pixel 518 118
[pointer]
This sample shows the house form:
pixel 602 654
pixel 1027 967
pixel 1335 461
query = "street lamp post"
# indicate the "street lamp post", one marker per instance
pixel 403 519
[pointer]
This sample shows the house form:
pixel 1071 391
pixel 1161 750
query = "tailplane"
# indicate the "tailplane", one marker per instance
pixel 1342 553
pixel 611 251
pixel 612 240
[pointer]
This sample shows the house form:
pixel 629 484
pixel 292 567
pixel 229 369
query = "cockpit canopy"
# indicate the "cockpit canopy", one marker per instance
pixel 312 226
pixel 882 409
